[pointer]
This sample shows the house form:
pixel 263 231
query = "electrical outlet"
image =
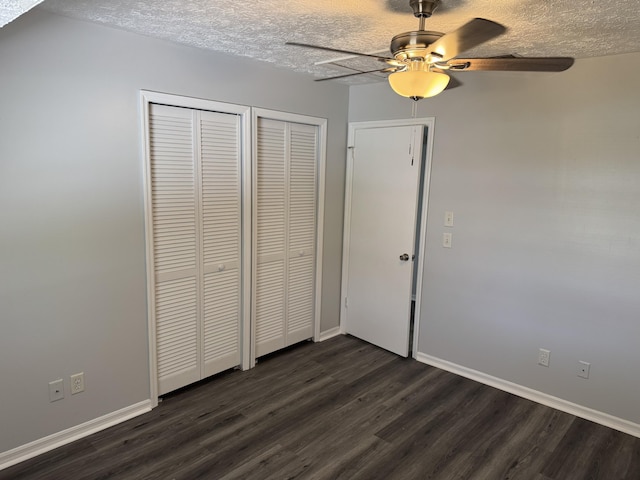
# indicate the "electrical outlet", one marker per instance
pixel 56 390
pixel 543 357
pixel 77 383
pixel 583 369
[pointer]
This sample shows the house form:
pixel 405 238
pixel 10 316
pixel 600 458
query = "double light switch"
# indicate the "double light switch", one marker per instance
pixel 447 237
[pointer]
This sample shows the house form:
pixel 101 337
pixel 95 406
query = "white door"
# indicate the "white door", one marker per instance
pixel 195 215
pixel 385 172
pixel 286 191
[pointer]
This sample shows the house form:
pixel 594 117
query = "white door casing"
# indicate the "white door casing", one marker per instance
pixel 383 173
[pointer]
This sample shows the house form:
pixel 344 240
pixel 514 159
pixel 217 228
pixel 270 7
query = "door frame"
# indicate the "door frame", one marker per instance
pixel 429 124
pixel 321 124
pixel 244 112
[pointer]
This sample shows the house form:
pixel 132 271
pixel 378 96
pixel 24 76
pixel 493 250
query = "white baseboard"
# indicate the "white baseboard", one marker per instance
pixel 545 399
pixel 327 334
pixel 37 447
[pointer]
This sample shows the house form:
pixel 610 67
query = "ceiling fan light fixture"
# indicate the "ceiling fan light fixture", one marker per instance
pixel 418 83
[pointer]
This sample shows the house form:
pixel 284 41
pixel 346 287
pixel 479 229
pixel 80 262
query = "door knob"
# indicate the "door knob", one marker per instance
pixel 404 257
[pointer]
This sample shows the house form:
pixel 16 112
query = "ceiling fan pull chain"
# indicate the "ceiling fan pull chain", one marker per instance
pixel 414 109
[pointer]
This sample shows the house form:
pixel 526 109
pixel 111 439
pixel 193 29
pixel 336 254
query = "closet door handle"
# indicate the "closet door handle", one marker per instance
pixel 404 257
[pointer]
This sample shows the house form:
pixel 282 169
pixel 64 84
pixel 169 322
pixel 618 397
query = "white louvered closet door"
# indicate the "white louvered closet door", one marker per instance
pixel 221 246
pixel 286 193
pixel 302 232
pixel 175 245
pixel 196 219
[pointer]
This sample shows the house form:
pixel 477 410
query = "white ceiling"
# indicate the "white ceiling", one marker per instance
pixel 12 9
pixel 259 29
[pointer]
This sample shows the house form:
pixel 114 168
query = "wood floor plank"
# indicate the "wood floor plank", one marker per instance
pixel 262 466
pixel 51 464
pixel 434 449
pixel 343 409
pixel 580 454
pixel 525 450
pixel 632 447
pixel 429 403
pixel 322 448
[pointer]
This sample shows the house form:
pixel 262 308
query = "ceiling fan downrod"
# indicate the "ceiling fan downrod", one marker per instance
pixel 423 9
pixel 411 44
pixel 408 44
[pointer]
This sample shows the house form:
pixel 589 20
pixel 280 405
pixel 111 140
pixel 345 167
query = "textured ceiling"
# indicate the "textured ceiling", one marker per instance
pixel 12 9
pixel 259 29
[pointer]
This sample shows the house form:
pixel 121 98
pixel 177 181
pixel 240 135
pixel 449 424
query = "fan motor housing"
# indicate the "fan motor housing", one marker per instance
pixel 409 44
pixel 424 8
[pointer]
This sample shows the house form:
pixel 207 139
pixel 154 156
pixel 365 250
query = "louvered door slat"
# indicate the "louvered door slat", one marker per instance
pixel 270 307
pixel 302 203
pixel 173 206
pixel 172 186
pixel 221 198
pixel 176 333
pixel 270 188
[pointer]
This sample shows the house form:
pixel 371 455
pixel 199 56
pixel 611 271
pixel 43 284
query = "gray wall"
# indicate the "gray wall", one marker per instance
pixel 542 172
pixel 72 252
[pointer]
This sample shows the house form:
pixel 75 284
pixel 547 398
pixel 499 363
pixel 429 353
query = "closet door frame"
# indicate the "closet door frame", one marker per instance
pixel 321 124
pixel 244 112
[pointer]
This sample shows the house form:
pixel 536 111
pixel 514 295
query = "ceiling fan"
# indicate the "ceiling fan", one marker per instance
pixel 421 58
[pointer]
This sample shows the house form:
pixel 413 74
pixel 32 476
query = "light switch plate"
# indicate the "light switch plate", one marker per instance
pixel 583 369
pixel 56 390
pixel 446 240
pixel 448 219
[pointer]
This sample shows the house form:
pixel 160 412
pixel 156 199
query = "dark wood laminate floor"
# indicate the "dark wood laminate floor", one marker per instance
pixel 344 409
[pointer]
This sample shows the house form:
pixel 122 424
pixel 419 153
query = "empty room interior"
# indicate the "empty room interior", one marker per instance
pixel 427 267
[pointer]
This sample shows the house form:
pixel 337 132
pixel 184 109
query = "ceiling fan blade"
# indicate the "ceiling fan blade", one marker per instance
pixel 382 70
pixel 512 64
pixel 470 35
pixel 336 50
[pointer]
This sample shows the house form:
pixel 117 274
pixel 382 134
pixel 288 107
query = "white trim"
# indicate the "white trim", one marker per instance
pixel 322 161
pixel 346 230
pixel 530 394
pixel 422 239
pixel 43 445
pixel 429 124
pixel 327 334
pixel 194 103
pixel 247 235
pixel 244 112
pixel 196 118
pixel 321 123
pixel 254 233
pixel 148 224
